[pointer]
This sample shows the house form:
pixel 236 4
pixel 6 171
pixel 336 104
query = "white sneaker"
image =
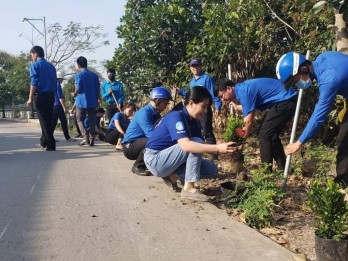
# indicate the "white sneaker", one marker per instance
pixel 119 147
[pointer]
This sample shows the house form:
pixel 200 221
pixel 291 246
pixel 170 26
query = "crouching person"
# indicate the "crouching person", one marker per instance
pixel 176 146
pixel 141 127
pixel 119 124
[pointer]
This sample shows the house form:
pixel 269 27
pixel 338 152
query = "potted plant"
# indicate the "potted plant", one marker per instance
pixel 331 211
pixel 233 132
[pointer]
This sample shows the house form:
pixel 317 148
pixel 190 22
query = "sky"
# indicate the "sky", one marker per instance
pixel 87 12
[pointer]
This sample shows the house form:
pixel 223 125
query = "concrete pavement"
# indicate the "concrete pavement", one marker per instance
pixel 83 203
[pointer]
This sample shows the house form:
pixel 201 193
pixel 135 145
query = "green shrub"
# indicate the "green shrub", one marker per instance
pixel 258 208
pixel 232 125
pixel 259 198
pixel 330 209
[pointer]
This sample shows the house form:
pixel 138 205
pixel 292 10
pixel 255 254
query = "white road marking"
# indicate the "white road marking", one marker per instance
pixel 32 189
pixel 4 231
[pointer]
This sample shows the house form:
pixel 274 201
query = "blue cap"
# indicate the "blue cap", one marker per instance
pixel 160 93
pixel 195 61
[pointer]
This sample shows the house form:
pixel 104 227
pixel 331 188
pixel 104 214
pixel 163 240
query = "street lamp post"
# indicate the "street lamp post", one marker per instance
pixel 32 116
pixel 40 32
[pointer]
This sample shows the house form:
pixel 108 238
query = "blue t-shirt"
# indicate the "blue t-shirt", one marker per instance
pixel 43 76
pixel 142 124
pixel 174 126
pixel 87 84
pixel 261 94
pixel 58 94
pixel 204 80
pixel 117 89
pixel 122 119
pixel 331 73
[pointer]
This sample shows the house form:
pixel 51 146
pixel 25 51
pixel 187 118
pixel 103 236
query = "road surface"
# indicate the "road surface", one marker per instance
pixel 83 203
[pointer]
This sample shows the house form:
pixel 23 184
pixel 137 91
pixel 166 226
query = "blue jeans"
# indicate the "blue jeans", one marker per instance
pixel 188 166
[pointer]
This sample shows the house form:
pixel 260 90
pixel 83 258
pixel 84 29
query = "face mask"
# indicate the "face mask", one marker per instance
pixel 111 77
pixel 301 84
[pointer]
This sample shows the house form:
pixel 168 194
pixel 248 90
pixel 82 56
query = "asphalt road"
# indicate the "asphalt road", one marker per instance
pixel 83 203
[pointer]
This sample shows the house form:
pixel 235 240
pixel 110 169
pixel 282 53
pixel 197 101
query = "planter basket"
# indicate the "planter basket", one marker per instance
pixel 331 250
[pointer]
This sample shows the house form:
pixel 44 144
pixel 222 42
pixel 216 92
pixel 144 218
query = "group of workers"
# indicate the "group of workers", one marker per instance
pixel 172 147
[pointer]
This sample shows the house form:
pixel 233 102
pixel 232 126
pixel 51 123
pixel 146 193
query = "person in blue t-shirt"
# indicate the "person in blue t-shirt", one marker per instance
pixel 330 70
pixel 263 94
pixel 202 79
pixel 87 93
pixel 59 109
pixel 42 86
pixel 141 127
pixel 176 146
pixel 119 124
pixel 113 94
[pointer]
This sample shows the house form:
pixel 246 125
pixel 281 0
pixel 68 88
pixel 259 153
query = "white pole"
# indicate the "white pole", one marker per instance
pixel 44 22
pixel 229 70
pixel 293 133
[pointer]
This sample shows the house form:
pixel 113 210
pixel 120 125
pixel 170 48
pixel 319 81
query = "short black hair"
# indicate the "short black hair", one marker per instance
pixel 38 50
pixel 130 105
pixel 82 62
pixel 222 85
pixel 198 94
pixel 111 70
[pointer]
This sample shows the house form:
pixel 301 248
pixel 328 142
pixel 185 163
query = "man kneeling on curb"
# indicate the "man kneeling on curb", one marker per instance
pixel 141 127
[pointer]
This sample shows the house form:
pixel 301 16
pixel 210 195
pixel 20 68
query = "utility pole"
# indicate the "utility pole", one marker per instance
pixel 43 32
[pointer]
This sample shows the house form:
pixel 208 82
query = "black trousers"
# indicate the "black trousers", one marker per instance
pixel 81 116
pixel 273 123
pixel 112 136
pixel 206 123
pixel 111 109
pixel 58 113
pixel 135 151
pixel 44 105
pixel 342 153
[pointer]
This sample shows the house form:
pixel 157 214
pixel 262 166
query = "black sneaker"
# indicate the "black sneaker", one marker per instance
pixel 91 142
pixel 50 149
pixel 141 171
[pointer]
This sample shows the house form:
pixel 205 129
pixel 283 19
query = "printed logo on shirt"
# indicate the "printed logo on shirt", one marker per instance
pixel 179 126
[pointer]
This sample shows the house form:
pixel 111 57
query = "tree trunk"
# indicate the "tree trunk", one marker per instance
pixel 341 34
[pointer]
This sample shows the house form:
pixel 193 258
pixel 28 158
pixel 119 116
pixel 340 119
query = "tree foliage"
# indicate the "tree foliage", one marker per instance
pixel 65 43
pixel 155 35
pixel 14 77
pixel 161 36
pixel 340 8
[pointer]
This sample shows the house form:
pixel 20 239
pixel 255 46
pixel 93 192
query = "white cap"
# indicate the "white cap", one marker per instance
pixel 60 75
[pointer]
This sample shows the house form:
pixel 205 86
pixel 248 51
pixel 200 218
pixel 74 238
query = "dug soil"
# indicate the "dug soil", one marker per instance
pixel 293 222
